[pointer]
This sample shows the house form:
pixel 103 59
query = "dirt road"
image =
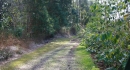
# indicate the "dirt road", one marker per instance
pixel 61 58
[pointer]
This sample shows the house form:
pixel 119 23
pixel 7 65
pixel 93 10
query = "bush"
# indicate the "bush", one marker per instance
pixel 107 38
pixel 18 32
pixel 5 53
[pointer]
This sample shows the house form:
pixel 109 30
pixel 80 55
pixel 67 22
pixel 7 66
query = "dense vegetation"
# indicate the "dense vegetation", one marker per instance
pixel 33 18
pixel 103 24
pixel 23 20
pixel 107 34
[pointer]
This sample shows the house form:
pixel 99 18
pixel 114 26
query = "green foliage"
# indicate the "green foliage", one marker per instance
pixel 12 18
pixel 35 17
pixel 18 32
pixel 49 17
pixel 108 38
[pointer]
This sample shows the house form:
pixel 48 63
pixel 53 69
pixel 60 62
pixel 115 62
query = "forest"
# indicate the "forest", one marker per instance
pixel 102 26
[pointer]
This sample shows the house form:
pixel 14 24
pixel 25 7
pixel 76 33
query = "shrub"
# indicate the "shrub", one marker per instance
pixel 5 53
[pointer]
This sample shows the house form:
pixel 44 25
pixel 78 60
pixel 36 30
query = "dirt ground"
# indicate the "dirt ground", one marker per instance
pixel 61 58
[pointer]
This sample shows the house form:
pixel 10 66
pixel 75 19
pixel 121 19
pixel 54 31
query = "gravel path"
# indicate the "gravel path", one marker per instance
pixel 62 58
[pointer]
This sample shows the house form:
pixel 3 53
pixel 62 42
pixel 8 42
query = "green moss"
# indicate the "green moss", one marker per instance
pixel 40 51
pixel 84 59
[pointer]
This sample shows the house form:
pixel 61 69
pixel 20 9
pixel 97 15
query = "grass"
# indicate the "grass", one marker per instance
pixel 84 59
pixel 40 51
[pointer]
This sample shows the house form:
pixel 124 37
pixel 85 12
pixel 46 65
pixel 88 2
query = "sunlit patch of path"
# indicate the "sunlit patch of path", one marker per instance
pixel 62 58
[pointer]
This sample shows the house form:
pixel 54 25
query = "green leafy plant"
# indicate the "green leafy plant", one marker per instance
pixel 108 36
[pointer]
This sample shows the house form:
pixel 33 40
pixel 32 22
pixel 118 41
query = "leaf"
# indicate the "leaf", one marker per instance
pixel 114 8
pixel 103 37
pixel 128 47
